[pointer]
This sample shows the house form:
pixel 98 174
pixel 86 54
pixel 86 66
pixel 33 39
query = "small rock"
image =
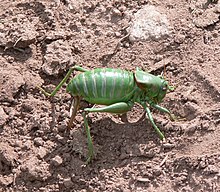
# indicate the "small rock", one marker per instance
pixel 117 34
pixel 191 110
pixel 149 23
pixel 26 107
pixel 41 152
pixel 61 139
pixel 67 182
pixel 27 144
pixel 38 141
pixel 208 17
pixel 191 128
pixel 57 160
pixel 157 171
pixel 168 145
pixel 42 189
pixel 6 180
pixel 116 12
pixel 149 154
pixel 63 126
pixel 142 179
pixel 179 38
pixel 211 169
pixel 122 9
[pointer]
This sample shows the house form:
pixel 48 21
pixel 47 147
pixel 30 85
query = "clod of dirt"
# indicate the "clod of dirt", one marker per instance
pixel 18 31
pixel 149 23
pixel 10 83
pixel 211 169
pixel 3 117
pixel 190 110
pixel 209 17
pixel 7 154
pixel 6 180
pixel 36 170
pixel 56 35
pixel 58 58
pixel 41 152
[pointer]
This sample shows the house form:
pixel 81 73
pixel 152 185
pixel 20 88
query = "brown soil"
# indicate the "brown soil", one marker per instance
pixel 40 40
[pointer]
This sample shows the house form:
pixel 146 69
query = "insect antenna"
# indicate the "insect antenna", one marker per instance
pixel 164 75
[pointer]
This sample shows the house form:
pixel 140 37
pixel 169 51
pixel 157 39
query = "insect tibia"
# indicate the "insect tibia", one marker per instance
pixel 44 92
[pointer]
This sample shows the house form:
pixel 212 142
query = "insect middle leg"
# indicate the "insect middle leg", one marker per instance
pixel 148 113
pixel 117 108
pixel 73 110
pixel 153 124
pixel 162 109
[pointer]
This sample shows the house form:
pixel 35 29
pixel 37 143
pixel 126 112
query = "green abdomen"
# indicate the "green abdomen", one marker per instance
pixel 103 86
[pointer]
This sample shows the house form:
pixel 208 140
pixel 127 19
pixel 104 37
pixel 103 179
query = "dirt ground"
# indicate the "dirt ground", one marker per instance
pixel 41 40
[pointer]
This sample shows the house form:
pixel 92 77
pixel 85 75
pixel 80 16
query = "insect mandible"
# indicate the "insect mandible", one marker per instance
pixel 118 90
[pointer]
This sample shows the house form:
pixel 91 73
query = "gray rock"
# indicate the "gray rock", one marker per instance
pixel 149 23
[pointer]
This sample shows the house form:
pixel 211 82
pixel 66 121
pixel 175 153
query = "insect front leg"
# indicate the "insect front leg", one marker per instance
pixel 162 109
pixel 148 113
pixel 153 124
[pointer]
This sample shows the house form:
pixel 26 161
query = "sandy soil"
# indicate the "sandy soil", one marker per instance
pixel 40 40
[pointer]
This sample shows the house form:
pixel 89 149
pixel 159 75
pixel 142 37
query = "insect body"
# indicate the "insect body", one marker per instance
pixel 103 86
pixel 118 90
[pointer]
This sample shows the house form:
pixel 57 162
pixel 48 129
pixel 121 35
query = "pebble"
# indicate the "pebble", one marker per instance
pixel 41 152
pixel 57 160
pixel 144 180
pixel 117 34
pixel 168 145
pixel 116 12
pixel 67 182
pixel 62 127
pixel 38 141
pixel 211 169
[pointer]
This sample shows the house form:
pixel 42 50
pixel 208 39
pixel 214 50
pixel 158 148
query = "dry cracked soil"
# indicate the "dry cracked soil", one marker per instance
pixel 41 40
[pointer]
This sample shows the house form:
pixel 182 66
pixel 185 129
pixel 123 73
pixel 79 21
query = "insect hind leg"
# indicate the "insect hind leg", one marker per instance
pixel 117 108
pixel 76 68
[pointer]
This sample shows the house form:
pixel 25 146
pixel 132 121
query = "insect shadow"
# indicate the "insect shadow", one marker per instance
pixel 117 140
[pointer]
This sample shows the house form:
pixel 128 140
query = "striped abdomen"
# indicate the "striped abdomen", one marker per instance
pixel 103 86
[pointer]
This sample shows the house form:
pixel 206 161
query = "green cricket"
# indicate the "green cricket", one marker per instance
pixel 118 90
